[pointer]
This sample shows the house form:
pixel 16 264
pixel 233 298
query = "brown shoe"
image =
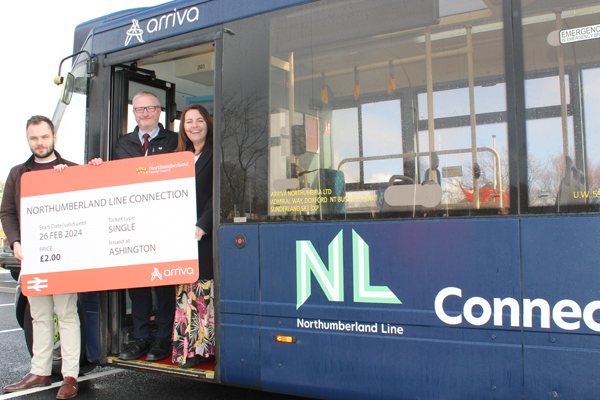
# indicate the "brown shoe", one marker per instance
pixel 30 381
pixel 68 390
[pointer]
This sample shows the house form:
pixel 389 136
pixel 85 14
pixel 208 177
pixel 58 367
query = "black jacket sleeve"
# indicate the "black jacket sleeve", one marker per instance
pixel 8 210
pixel 205 220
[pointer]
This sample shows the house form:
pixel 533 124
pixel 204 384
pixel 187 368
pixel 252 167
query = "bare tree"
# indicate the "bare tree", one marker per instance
pixel 543 180
pixel 244 146
pixel 593 175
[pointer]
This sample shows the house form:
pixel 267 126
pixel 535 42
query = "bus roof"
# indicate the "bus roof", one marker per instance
pixel 130 28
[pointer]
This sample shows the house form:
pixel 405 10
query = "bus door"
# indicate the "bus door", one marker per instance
pixel 178 78
pixel 127 83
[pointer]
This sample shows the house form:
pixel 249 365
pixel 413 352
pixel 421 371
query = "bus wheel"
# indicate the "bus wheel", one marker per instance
pixel 84 364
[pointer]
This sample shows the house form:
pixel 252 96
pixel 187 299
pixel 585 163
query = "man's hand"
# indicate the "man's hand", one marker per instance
pixel 17 252
pixel 199 234
pixel 60 167
pixel 95 161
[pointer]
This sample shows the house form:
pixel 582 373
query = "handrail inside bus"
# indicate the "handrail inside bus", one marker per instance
pixel 494 152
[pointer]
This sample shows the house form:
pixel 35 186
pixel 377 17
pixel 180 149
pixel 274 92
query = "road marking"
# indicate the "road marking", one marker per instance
pixel 58 384
pixel 4 305
pixel 11 330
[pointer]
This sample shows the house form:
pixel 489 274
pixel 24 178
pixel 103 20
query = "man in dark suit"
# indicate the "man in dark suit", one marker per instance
pixel 149 138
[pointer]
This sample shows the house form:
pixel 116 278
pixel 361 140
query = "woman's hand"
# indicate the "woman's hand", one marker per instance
pixel 199 234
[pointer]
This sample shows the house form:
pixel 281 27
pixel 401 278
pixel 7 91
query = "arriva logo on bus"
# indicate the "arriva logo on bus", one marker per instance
pixel 561 310
pixel 332 280
pixel 177 17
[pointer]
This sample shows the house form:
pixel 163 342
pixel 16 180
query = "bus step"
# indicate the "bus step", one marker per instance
pixel 203 370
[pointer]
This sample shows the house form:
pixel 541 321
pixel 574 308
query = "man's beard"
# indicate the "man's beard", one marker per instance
pixel 49 151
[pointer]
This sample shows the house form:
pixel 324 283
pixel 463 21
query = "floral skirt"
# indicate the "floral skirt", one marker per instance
pixel 194 326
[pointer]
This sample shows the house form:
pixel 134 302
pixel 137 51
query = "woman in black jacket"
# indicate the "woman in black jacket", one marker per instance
pixel 193 330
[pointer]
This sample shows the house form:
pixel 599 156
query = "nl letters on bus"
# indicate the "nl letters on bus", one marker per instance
pixel 127 223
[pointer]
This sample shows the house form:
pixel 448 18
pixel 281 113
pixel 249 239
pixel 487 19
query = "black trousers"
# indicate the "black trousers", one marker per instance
pixel 141 311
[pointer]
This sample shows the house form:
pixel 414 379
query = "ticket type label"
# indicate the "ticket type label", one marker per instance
pixel 123 224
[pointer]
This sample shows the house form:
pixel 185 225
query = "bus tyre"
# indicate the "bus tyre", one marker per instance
pixel 84 364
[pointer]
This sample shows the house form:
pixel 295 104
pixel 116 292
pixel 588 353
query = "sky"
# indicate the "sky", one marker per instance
pixel 35 39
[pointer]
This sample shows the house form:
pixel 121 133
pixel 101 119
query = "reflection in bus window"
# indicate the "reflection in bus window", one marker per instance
pixel 381 133
pixel 561 87
pixel 454 102
pixel 345 140
pixel 370 91
pixel 591 101
pixel 544 92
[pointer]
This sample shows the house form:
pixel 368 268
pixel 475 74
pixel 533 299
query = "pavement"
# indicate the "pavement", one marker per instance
pixel 7 283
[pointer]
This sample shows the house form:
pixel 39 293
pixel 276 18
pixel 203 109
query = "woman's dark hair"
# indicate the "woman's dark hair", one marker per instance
pixel 183 142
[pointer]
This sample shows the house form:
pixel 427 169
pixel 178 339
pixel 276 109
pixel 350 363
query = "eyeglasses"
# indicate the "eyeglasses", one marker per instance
pixel 140 110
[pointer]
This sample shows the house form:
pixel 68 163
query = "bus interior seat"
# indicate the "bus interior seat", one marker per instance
pixel 396 180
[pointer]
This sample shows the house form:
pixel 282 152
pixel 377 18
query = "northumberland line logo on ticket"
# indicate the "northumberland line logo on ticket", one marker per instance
pixel 123 224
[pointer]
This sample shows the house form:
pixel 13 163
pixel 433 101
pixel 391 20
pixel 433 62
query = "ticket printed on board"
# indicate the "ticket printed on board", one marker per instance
pixel 123 224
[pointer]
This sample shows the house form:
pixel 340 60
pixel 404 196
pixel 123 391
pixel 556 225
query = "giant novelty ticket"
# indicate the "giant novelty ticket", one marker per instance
pixel 123 224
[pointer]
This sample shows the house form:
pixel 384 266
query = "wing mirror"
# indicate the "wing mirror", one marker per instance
pixel 68 83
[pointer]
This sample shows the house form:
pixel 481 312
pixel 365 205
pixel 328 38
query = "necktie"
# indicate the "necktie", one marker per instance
pixel 146 142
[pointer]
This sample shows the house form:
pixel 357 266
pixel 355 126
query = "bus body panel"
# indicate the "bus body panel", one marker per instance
pixel 240 345
pixel 564 363
pixel 434 363
pixel 560 262
pixel 239 342
pixel 415 261
pixel 558 256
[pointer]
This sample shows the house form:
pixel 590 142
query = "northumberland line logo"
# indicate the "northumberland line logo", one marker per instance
pixel 141 171
pixel 331 280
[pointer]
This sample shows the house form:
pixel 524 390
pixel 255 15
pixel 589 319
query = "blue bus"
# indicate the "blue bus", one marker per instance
pixel 406 192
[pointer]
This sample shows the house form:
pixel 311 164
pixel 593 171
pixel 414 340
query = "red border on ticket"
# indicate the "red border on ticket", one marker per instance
pixel 91 280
